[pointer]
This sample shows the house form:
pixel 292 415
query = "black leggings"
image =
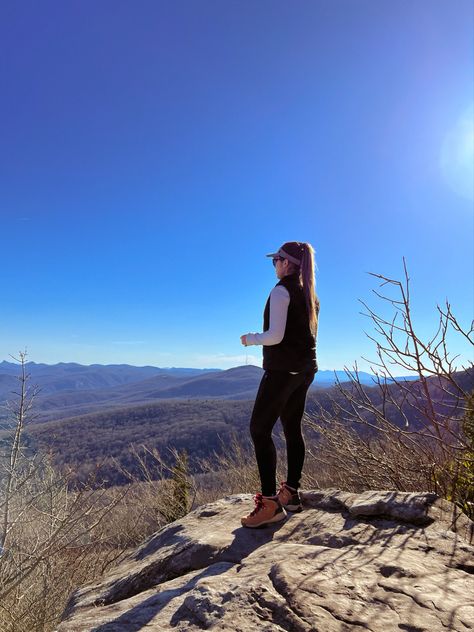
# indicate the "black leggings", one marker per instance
pixel 283 395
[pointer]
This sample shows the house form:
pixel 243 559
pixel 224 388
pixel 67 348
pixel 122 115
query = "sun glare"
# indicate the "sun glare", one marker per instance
pixel 457 156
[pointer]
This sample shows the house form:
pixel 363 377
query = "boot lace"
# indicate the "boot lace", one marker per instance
pixel 284 485
pixel 258 498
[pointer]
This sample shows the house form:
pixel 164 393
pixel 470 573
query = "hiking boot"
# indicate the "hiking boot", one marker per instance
pixel 267 511
pixel 289 498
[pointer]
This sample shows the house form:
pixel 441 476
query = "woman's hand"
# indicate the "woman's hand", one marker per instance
pixel 243 340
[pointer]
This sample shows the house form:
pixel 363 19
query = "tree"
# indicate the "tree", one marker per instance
pixel 11 462
pixel 403 434
pixel 181 487
pixel 167 491
pixel 51 534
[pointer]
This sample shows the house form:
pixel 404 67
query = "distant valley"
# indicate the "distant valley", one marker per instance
pixel 69 389
pixel 91 416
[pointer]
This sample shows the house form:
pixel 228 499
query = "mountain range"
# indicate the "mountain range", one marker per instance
pixel 93 416
pixel 68 389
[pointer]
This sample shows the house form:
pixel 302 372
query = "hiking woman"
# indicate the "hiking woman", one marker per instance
pixel 290 322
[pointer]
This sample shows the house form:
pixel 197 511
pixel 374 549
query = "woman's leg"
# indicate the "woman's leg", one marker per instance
pixel 291 417
pixel 276 388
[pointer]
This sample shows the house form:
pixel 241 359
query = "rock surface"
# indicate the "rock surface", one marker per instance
pixel 378 561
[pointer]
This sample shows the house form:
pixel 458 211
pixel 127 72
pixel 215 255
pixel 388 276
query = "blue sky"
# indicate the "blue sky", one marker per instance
pixel 153 152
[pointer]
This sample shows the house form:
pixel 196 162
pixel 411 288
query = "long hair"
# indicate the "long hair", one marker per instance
pixel 307 270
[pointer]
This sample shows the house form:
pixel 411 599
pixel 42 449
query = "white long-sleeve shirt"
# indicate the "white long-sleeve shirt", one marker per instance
pixel 279 301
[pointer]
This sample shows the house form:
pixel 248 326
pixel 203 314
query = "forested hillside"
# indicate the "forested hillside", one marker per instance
pixel 201 426
pixel 108 439
pixel 68 390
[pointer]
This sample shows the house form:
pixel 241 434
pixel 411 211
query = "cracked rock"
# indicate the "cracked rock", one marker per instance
pixel 378 561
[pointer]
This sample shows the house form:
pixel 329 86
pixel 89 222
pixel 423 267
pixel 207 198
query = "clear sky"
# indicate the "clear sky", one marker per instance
pixel 153 152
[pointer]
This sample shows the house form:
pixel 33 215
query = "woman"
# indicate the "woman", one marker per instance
pixel 290 323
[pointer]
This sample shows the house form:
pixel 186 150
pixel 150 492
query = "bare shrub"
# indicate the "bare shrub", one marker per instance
pixel 402 434
pixel 51 534
pixel 232 470
pixel 160 491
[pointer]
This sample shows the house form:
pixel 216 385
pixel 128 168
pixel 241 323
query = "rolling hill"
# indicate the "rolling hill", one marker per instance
pixel 71 389
pixel 202 426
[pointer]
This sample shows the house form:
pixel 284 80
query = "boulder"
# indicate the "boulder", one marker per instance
pixel 379 560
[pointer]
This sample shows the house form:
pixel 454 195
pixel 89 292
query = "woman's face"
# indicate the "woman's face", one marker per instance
pixel 281 267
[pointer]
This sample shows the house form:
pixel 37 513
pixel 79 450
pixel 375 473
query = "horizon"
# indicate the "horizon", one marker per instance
pixel 154 154
pixel 167 368
pixel 144 366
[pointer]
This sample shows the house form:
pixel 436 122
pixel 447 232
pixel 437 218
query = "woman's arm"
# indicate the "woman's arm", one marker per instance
pixel 279 301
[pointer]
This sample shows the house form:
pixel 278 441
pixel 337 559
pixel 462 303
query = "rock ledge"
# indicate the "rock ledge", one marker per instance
pixel 379 560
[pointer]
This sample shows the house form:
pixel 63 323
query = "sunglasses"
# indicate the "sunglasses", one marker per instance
pixel 275 259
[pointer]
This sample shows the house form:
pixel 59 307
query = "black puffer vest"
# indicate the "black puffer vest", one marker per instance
pixel 297 350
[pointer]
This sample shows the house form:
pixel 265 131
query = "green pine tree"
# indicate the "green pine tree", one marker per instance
pixel 465 483
pixel 181 485
pixel 175 492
